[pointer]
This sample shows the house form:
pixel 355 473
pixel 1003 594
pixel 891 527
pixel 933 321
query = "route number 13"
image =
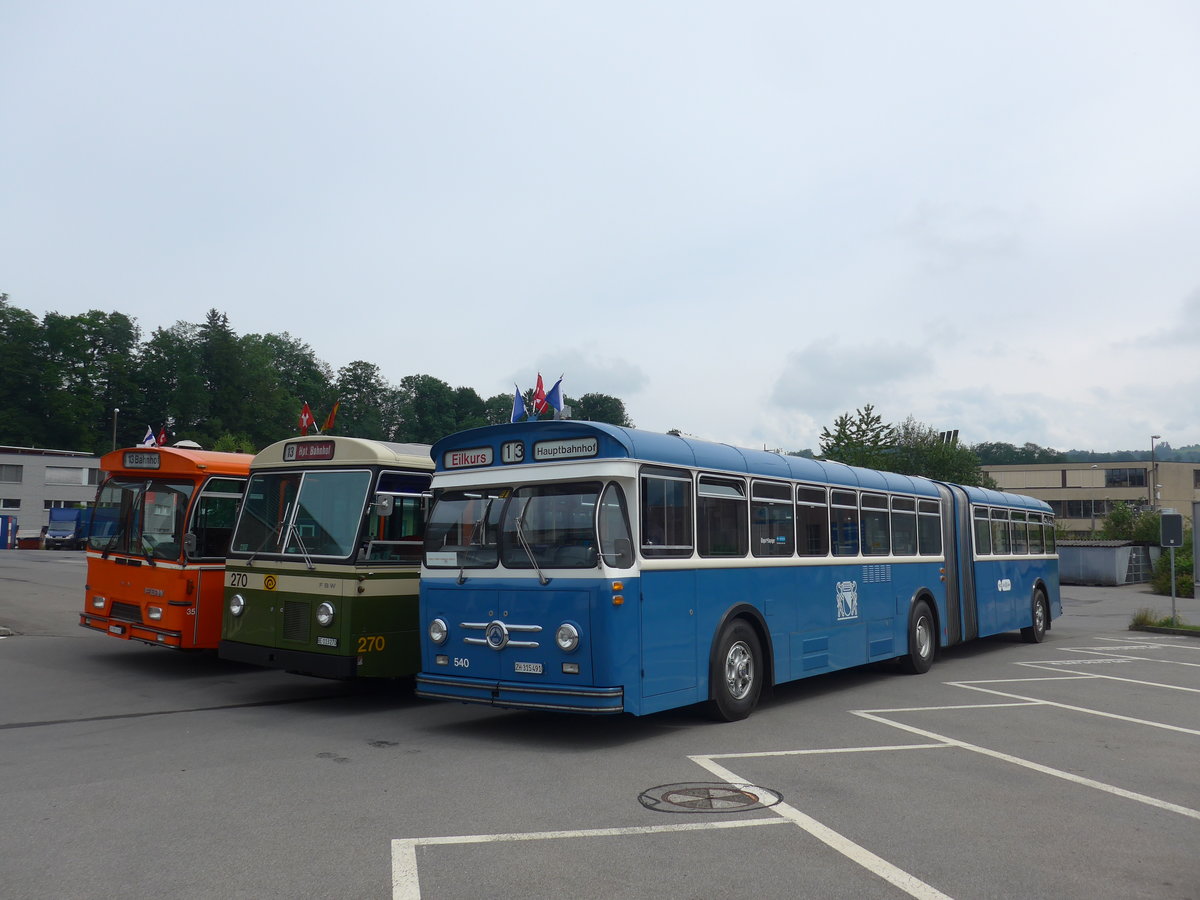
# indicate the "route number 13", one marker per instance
pixel 512 452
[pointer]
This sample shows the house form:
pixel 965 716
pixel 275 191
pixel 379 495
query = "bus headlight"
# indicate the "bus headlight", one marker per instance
pixel 567 637
pixel 325 613
pixel 438 631
pixel 98 602
pixel 237 604
pixel 154 612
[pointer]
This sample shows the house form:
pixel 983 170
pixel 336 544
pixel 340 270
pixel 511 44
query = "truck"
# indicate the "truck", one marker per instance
pixel 65 531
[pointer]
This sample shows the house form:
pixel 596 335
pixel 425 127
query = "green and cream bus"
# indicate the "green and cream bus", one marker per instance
pixel 322 572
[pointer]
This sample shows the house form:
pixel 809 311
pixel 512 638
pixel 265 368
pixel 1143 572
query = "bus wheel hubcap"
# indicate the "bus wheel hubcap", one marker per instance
pixel 739 670
pixel 924 638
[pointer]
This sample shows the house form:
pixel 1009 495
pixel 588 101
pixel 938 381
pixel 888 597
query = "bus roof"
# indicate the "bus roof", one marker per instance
pixel 175 461
pixel 334 450
pixel 616 442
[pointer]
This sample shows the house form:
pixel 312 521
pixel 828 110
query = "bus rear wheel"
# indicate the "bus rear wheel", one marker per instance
pixel 1036 633
pixel 735 681
pixel 921 640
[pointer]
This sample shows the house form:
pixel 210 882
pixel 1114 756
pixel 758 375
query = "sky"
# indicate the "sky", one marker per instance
pixel 742 219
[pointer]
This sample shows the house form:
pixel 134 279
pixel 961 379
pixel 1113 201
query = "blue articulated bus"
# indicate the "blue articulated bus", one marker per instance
pixel 584 567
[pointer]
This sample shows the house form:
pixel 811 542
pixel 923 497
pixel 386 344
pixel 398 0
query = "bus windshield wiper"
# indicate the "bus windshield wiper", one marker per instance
pixel 519 522
pixel 295 535
pixel 272 535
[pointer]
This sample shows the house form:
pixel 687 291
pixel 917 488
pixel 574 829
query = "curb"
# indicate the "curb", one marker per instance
pixel 1158 629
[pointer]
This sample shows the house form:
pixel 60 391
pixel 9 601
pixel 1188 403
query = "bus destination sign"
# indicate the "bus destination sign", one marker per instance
pixel 308 450
pixel 463 459
pixel 571 448
pixel 140 459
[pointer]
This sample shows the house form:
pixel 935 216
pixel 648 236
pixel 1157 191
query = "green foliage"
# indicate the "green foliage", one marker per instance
pixel 1185 569
pixel 62 378
pixel 920 450
pixel 859 441
pixel 599 408
pixel 911 448
pixel 993 453
pixel 234 443
pixel 1145 617
pixel 1129 522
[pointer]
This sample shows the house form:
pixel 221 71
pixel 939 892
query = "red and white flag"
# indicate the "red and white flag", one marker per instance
pixel 306 419
pixel 539 397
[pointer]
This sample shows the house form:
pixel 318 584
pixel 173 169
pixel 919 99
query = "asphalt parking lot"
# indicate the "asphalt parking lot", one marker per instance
pixel 1065 769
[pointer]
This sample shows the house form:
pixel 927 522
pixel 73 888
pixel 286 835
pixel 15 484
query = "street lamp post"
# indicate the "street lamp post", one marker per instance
pixel 115 411
pixel 1153 469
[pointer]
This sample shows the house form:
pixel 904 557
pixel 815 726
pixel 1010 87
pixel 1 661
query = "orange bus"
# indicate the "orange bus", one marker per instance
pixel 157 541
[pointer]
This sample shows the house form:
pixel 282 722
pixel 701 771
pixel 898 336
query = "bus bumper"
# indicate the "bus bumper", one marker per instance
pixel 522 695
pixel 131 631
pixel 301 662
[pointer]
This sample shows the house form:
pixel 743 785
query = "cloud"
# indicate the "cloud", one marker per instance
pixel 1184 331
pixel 584 372
pixel 829 378
pixel 948 236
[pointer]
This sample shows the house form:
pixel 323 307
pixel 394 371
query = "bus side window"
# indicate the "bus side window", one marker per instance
pixel 876 539
pixel 812 521
pixel 983 534
pixel 721 517
pixel 929 528
pixel 666 513
pixel 843 523
pixel 616 545
pixel 904 526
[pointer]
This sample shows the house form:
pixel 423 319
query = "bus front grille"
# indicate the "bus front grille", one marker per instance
pixel 126 612
pixel 295 621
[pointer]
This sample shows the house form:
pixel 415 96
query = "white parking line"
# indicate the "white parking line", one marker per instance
pixel 406 882
pixel 857 853
pixel 407 886
pixel 971 686
pixel 1048 667
pixel 875 716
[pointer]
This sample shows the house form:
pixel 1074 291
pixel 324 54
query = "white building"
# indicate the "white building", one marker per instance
pixel 34 481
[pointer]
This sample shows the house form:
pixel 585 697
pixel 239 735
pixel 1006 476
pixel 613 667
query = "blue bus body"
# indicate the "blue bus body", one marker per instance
pixel 513 566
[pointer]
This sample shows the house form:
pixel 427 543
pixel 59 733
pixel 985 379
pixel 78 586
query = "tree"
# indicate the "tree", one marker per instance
pixel 296 376
pixel 1130 522
pixel 859 441
pixel 171 388
pixel 993 453
pixel 599 408
pixel 469 409
pixel 920 450
pixel 426 409
pixel 23 381
pixel 497 409
pixel 366 402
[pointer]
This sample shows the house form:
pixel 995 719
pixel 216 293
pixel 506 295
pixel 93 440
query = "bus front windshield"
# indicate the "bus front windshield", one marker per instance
pixel 302 514
pixel 532 526
pixel 143 517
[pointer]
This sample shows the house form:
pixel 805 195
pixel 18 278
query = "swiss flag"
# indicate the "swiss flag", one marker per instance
pixel 539 397
pixel 306 419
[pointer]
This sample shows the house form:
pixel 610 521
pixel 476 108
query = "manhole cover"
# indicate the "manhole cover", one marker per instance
pixel 708 797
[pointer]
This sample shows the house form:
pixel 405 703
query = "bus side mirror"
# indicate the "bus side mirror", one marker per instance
pixel 189 543
pixel 383 505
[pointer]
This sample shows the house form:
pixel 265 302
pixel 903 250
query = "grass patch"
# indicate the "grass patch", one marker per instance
pixel 1148 618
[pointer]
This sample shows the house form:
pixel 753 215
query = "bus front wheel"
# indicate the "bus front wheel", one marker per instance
pixel 736 677
pixel 1036 633
pixel 921 640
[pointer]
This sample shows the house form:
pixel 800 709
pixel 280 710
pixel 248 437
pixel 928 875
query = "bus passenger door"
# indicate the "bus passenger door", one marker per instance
pixel 962 615
pixel 207 605
pixel 668 630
